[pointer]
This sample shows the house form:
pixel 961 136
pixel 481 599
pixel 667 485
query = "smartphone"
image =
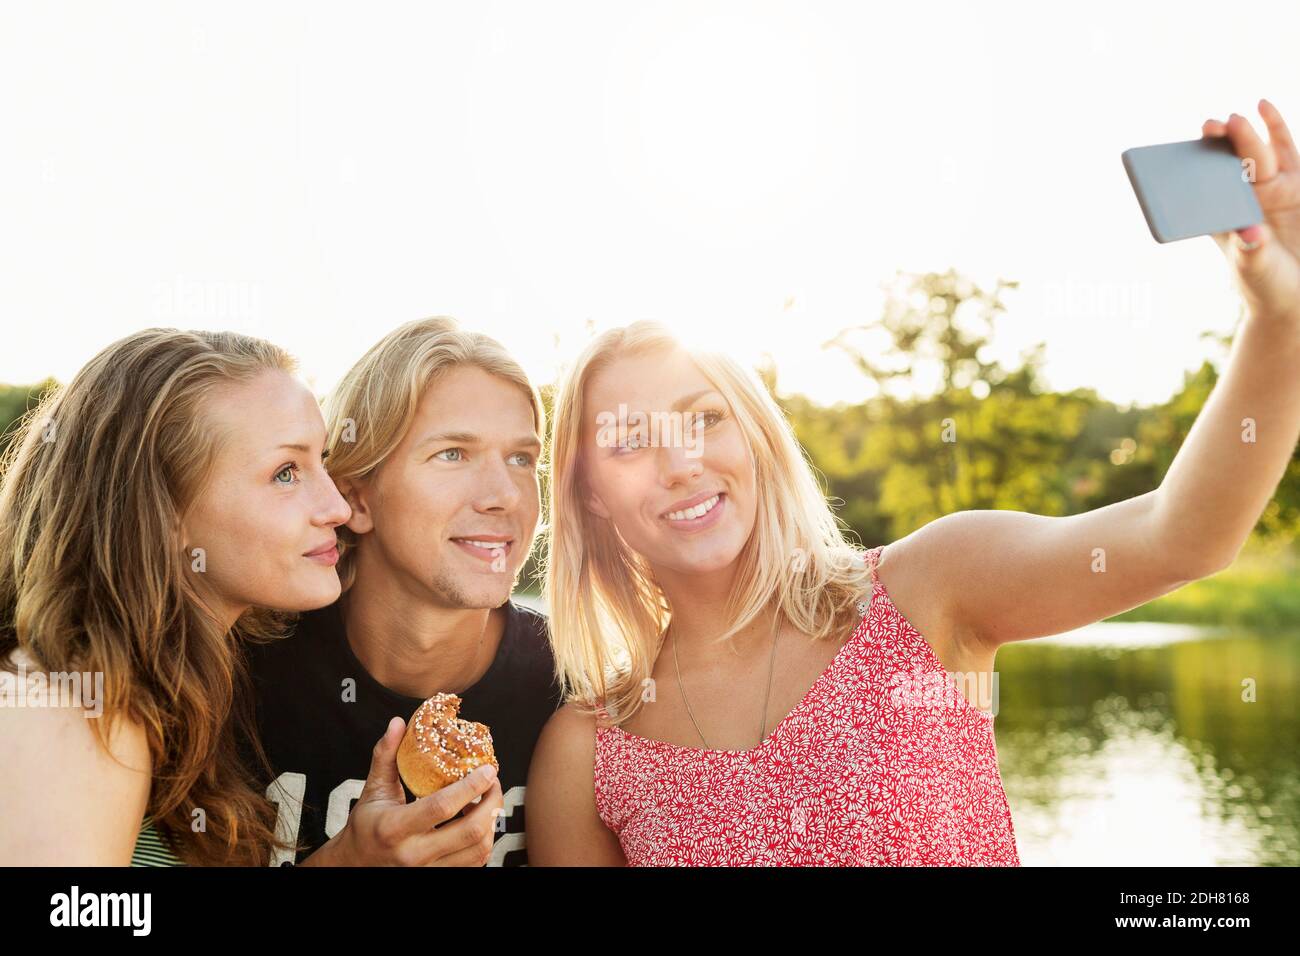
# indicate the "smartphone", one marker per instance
pixel 1194 188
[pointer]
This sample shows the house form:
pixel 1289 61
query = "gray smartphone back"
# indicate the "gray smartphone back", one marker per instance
pixel 1194 188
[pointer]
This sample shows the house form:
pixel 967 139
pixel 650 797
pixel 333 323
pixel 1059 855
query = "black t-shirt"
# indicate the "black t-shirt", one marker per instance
pixel 319 714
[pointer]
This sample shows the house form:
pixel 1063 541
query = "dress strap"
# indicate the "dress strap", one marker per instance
pixel 871 557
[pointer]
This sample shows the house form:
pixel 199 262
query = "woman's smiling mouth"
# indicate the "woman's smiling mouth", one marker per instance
pixel 699 512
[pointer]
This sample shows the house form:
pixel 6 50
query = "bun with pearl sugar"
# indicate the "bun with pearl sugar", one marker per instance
pixel 440 748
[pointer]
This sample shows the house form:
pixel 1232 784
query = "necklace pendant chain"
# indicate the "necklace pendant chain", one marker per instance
pixel 771 669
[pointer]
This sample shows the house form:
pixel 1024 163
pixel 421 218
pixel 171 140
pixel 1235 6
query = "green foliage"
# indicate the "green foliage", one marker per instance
pixel 988 437
pixel 15 402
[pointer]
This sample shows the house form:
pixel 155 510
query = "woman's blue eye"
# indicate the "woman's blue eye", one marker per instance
pixel 459 453
pixel 291 471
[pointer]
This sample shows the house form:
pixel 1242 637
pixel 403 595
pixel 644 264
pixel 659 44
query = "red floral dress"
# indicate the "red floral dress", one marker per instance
pixel 865 771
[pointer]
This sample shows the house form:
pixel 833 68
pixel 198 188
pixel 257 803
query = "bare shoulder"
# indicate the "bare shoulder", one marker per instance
pixel 563 825
pixel 568 738
pixel 56 711
pixel 69 797
pixel 922 572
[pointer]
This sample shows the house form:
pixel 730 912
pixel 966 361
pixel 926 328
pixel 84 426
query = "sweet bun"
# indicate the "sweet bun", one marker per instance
pixel 439 748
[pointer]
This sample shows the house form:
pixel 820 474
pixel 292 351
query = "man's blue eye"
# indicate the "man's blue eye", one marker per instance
pixel 525 458
pixel 450 451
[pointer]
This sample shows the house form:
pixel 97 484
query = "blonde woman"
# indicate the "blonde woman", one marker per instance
pixel 730 701
pixel 174 485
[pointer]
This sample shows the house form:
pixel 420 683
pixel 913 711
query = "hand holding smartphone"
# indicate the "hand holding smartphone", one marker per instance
pixel 1195 188
pixel 1242 190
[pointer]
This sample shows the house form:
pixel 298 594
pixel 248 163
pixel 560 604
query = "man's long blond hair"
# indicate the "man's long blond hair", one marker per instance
pixel 374 404
pixel 608 613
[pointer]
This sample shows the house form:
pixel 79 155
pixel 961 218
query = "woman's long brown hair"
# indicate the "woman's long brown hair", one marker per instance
pixel 93 576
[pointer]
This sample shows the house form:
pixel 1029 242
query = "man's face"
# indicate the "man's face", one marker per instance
pixel 453 510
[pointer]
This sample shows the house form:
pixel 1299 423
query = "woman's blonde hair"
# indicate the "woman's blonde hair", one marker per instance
pixel 372 407
pixel 607 612
pixel 94 578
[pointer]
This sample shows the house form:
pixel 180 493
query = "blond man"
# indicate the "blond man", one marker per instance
pixel 434 439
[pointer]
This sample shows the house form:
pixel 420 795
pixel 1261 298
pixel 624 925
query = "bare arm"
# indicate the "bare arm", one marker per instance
pixel 1007 576
pixel 1010 576
pixel 1238 450
pixel 563 827
pixel 66 801
pixel 1229 467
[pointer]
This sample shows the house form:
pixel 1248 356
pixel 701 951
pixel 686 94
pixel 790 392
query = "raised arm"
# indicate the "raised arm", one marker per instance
pixel 561 822
pixel 1008 576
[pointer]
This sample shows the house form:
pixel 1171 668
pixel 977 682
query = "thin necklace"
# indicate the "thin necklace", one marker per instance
pixel 771 667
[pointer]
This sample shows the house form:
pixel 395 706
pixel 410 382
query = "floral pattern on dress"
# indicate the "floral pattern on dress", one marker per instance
pixel 858 774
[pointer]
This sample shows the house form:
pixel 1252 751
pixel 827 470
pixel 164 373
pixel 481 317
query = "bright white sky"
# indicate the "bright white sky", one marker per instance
pixel 320 173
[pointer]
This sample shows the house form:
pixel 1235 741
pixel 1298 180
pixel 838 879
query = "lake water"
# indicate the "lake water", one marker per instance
pixel 1136 743
pixel 1125 744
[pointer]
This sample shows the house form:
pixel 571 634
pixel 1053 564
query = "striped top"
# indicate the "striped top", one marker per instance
pixel 151 849
pixel 870 769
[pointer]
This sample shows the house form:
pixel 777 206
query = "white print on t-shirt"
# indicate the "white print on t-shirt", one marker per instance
pixel 288 790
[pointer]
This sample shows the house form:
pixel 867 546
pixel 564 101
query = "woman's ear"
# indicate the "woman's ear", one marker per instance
pixel 189 551
pixel 596 506
pixel 354 493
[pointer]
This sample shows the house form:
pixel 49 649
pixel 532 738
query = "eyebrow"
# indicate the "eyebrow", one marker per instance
pixel 302 448
pixel 687 400
pixel 469 438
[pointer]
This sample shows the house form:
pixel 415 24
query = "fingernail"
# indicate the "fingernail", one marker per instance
pixel 487 771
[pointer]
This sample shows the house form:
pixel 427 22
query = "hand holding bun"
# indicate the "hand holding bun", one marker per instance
pixel 440 748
